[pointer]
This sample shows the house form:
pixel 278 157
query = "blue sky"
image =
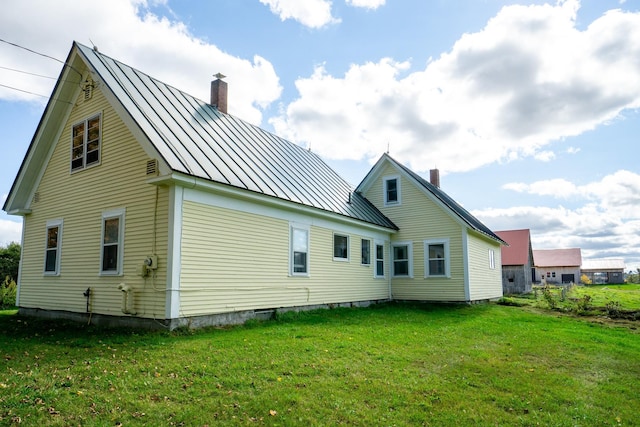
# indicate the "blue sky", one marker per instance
pixel 531 110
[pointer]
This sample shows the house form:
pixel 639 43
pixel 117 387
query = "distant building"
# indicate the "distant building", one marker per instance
pixel 604 270
pixel 517 261
pixel 557 265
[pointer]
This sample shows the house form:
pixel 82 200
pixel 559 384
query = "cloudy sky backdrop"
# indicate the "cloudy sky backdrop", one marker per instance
pixel 531 110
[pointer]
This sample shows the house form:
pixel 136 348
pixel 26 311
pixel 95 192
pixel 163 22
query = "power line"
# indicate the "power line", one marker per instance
pixel 41 54
pixel 27 72
pixel 30 93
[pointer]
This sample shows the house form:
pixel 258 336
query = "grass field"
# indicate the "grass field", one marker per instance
pixel 392 364
pixel 614 301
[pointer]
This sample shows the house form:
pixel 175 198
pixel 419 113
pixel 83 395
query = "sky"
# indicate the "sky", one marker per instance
pixel 529 109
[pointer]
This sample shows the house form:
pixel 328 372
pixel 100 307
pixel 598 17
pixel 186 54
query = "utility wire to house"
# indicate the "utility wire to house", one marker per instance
pixel 34 74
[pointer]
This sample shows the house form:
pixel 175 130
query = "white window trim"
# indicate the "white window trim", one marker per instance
pixel 50 224
pixel 86 129
pixel 306 228
pixel 447 258
pixel 409 245
pixel 120 214
pixel 398 189
pixel 333 247
pixel 377 243
pixel 492 259
pixel 368 240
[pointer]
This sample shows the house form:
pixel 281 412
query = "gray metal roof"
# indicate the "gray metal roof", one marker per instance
pixel 195 138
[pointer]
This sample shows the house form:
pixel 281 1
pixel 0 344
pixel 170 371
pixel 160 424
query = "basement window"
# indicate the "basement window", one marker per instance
pixel 85 143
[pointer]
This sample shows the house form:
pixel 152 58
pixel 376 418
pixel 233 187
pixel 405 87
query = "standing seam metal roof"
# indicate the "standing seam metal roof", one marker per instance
pixel 195 138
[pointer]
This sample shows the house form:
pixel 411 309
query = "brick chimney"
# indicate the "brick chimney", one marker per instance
pixel 219 93
pixel 434 177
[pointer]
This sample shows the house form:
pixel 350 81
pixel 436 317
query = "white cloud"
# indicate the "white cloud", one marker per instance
pixel 573 150
pixel 620 190
pixel 367 4
pixel 495 96
pixel 155 45
pixel 10 231
pixel 606 225
pixel 311 13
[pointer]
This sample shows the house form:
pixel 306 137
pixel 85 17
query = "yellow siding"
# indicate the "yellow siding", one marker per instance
pixel 485 283
pixel 419 219
pixel 233 260
pixel 79 200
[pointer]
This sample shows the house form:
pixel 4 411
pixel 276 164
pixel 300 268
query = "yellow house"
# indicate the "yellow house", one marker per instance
pixel 145 206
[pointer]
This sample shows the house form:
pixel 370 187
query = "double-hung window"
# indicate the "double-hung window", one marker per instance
pixel 436 258
pixel 340 247
pixel 379 260
pixel 85 143
pixel 365 252
pixel 391 186
pixel 402 259
pixel 112 246
pixel 299 252
pixel 52 248
pixel 492 259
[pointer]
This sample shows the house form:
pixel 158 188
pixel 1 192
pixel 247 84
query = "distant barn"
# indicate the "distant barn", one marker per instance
pixel 557 265
pixel 604 270
pixel 517 261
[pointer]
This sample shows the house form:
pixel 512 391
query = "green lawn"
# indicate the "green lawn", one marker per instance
pixel 392 364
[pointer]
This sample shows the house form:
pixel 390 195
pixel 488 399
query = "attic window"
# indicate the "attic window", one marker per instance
pixel 85 143
pixel 391 186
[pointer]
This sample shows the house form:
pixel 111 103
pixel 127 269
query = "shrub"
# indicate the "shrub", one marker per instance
pixel 8 292
pixel 583 304
pixel 547 293
pixel 613 308
pixel 585 280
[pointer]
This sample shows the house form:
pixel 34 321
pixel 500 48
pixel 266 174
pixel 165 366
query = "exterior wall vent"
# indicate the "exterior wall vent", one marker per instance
pixel 87 88
pixel 36 197
pixel 152 167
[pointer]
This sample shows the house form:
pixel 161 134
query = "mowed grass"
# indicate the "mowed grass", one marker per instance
pixel 393 364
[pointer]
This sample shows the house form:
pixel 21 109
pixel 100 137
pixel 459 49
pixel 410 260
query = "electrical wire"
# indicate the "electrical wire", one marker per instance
pixel 27 72
pixel 41 54
pixel 32 93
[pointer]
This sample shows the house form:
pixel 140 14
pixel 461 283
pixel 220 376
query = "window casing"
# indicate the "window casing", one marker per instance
pixel 402 253
pixel 340 247
pixel 379 260
pixel 365 252
pixel 112 244
pixel 391 190
pixel 436 262
pixel 85 143
pixel 52 248
pixel 299 252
